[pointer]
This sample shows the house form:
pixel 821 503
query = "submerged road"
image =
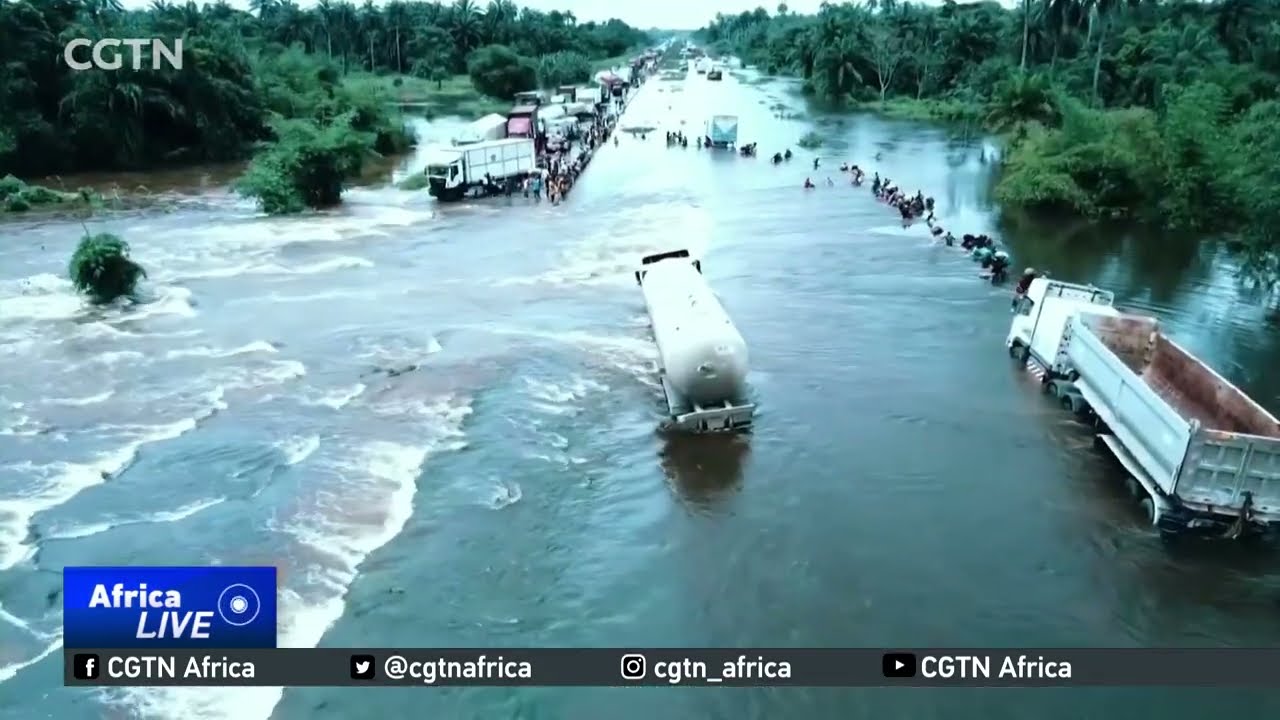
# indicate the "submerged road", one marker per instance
pixel 438 421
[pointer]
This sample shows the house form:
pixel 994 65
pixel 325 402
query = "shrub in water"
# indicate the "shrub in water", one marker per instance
pixel 810 141
pixel 307 166
pixel 101 268
pixel 10 186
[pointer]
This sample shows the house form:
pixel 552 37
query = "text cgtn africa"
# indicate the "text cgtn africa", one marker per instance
pixel 171 623
pixel 165 667
pixel 979 667
pixel 101 59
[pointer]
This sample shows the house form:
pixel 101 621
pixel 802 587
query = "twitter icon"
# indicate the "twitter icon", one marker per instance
pixel 362 667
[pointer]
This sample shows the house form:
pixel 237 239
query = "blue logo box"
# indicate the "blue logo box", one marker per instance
pixel 169 607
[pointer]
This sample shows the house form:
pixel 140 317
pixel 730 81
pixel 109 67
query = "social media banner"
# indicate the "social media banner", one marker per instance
pixel 169 607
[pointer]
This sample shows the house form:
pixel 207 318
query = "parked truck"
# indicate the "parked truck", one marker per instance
pixel 723 130
pixel 481 168
pixel 1200 454
pixel 522 121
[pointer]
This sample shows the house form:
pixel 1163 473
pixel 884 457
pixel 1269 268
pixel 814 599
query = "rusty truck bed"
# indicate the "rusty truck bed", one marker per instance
pixel 1191 387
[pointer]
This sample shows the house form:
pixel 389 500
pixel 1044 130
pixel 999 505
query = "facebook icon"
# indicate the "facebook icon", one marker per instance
pixel 86 667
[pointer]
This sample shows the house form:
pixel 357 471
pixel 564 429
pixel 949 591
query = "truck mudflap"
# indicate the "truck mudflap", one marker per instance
pixel 1231 474
pixel 687 417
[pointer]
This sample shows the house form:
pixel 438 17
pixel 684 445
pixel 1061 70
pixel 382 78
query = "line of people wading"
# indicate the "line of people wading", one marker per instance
pixel 982 248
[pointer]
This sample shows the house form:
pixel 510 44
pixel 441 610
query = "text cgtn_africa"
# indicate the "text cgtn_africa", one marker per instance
pixel 172 621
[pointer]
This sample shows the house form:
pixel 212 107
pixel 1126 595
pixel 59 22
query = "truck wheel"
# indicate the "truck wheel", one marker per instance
pixel 1149 510
pixel 1052 388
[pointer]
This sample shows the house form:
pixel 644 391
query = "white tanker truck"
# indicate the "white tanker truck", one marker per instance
pixel 704 358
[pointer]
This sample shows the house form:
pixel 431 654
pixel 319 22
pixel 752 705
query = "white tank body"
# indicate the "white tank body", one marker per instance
pixel 702 352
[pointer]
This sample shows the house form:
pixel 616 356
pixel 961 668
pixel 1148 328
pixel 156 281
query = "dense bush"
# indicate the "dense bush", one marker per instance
pixel 563 68
pixel 308 165
pixel 101 268
pixel 1162 111
pixel 497 71
pixel 240 68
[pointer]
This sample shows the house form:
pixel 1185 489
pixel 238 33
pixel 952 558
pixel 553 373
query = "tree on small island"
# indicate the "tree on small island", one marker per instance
pixel 102 269
pixel 307 166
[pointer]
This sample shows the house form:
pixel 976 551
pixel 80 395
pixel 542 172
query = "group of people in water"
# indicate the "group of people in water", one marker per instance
pixel 982 248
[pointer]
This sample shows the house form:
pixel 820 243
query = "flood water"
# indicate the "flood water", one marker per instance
pixel 905 485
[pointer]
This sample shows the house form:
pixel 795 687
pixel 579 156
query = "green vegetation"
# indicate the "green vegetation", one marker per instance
pixel 330 74
pixel 1164 111
pixel 810 140
pixel 101 268
pixel 451 95
pixel 19 197
pixel 417 181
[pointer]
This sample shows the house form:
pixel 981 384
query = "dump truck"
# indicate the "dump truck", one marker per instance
pixel 482 168
pixel 1200 454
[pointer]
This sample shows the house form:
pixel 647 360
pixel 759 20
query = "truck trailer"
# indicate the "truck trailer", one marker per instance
pixel 723 130
pixel 481 168
pixel 1201 455
pixel 704 358
pixel 489 127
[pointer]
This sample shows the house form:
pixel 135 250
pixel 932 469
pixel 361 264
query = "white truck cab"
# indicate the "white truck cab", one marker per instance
pixel 1041 317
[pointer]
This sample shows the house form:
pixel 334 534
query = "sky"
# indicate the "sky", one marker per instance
pixel 644 14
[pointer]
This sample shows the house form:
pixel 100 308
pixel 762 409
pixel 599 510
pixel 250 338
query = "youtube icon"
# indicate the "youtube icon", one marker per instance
pixel 899 665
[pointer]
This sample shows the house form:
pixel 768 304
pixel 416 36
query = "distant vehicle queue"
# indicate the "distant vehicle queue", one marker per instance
pixel 541 145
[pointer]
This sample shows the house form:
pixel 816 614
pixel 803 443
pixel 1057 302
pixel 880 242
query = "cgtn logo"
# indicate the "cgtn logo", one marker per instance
pixel 169 607
pixel 74 52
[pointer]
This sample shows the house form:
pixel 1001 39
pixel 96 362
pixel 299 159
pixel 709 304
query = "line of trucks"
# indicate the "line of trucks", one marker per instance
pixel 1201 455
pixel 497 149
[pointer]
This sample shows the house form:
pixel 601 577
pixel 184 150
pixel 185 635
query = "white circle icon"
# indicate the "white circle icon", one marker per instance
pixel 243 603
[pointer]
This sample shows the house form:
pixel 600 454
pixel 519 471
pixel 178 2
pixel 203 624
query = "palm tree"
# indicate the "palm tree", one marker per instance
pixel 398 18
pixel 264 8
pixel 370 28
pixel 324 11
pixel 464 25
pixel 1026 31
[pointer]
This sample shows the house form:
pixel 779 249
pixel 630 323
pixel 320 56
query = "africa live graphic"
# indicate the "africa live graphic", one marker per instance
pixel 170 607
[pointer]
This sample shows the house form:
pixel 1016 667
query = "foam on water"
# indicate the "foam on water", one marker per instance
pixel 257 346
pixel 166 516
pixel 369 507
pixel 574 389
pixel 39 297
pixel 337 398
pixel 297 449
pixel 55 483
pixel 8 672
pixel 504 494
pixel 81 401
pixel 275 268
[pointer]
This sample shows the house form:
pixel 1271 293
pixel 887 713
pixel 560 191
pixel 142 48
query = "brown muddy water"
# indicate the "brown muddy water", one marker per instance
pixel 904 485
